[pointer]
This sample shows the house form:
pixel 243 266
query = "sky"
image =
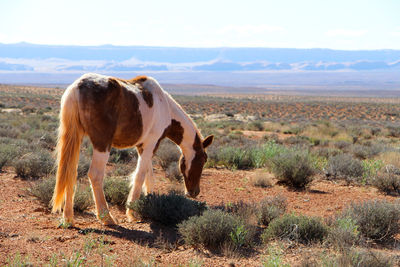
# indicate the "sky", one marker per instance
pixel 337 24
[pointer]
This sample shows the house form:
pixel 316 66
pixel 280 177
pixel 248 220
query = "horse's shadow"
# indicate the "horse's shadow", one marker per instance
pixel 159 236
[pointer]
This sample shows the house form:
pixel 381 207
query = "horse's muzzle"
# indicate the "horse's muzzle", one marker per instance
pixel 192 193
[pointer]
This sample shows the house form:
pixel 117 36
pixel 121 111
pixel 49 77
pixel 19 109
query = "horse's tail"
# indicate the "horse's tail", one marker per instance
pixel 70 135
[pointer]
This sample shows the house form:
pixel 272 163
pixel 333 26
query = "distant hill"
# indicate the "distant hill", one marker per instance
pixel 39 61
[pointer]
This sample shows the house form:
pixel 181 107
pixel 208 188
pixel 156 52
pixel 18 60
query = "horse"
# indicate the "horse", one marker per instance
pixel 120 113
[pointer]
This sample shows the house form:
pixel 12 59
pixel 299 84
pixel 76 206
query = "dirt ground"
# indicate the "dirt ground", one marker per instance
pixel 30 230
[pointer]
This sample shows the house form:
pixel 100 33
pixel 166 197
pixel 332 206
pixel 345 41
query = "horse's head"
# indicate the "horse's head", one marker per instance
pixel 192 164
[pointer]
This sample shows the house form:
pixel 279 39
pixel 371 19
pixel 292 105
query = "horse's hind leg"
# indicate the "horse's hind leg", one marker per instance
pixel 96 175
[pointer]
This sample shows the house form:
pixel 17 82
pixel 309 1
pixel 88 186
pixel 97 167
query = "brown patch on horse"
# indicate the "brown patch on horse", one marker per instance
pixel 109 114
pixel 174 132
pixel 147 97
pixel 140 148
pixel 196 167
pixel 199 159
pixel 146 94
pixel 138 79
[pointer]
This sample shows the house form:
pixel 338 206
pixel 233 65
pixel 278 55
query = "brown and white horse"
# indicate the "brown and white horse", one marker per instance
pixel 122 113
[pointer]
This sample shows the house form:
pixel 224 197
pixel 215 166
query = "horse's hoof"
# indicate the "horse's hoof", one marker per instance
pixel 66 223
pixel 131 217
pixel 109 220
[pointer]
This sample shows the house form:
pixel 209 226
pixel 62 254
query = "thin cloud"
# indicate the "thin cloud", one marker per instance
pixel 250 29
pixel 345 33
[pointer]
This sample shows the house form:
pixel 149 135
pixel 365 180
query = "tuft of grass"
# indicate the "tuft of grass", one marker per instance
pixel 300 229
pixel 270 209
pixel 293 168
pixel 376 219
pixel 169 209
pixel 116 191
pixel 262 179
pixel 214 229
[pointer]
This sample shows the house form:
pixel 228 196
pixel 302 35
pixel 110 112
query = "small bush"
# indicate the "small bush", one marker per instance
pixel 34 165
pixel 246 211
pixel 343 233
pixel 376 219
pixel 271 208
pixel 342 145
pixel 7 154
pixel 83 165
pixel 83 198
pixel 366 152
pixel 354 258
pixel 122 155
pixel 300 229
pixel 293 168
pixel 344 166
pixel 214 229
pixel 167 153
pixel 43 190
pixel 173 173
pixel 387 182
pixel 262 179
pixel 169 209
pixel 116 191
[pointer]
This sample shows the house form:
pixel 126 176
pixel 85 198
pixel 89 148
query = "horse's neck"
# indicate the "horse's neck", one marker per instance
pixel 189 128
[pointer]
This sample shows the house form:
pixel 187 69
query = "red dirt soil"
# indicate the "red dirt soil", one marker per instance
pixel 26 227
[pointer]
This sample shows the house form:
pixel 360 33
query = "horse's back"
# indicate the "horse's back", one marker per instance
pixel 116 112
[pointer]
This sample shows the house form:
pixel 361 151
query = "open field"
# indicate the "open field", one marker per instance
pixel 350 145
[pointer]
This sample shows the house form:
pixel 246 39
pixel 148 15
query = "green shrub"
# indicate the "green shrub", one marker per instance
pixel 214 229
pixel 387 182
pixel 376 219
pixel 271 208
pixel 116 191
pixel 169 209
pixel 366 152
pixel 242 157
pixel 123 155
pixel 83 165
pixel 256 126
pixel 356 258
pixel 300 229
pixel 344 166
pixel 245 211
pixel 343 233
pixel 293 168
pixel 7 153
pixel 34 165
pixel 167 153
pixel 43 190
pixel 83 198
pixel 262 180
pixel 173 173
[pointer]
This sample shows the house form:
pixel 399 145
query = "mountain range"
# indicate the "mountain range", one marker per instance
pixel 23 60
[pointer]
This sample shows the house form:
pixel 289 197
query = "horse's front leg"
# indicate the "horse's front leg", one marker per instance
pixel 138 179
pixel 96 175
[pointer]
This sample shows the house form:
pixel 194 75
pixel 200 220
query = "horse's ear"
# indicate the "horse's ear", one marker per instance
pixel 208 140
